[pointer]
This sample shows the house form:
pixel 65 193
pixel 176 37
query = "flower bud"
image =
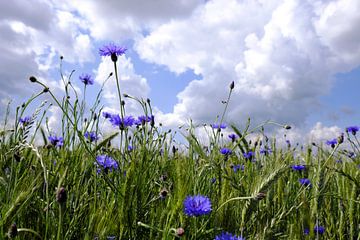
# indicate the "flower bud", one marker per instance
pixel 32 79
pixel 61 195
pixel 232 85
pixel 13 232
pixel 180 232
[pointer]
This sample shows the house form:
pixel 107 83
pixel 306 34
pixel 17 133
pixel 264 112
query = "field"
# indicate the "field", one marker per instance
pixel 135 183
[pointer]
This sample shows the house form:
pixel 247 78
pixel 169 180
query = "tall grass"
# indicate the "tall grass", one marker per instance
pixel 52 192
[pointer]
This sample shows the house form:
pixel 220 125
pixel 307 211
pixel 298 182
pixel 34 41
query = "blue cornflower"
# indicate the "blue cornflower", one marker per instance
pixel 306 231
pixel 197 205
pixel 91 136
pixel 352 129
pixel 248 155
pixel 233 137
pixel 238 167
pixel 106 115
pixel 56 141
pixel 265 151
pixel 305 182
pixel 217 126
pixel 225 151
pixel 228 236
pixel 127 121
pixel 130 148
pixel 86 79
pixel 298 167
pixel 25 120
pixel 319 229
pixel 107 162
pixel 141 120
pixel 112 50
pixel 332 142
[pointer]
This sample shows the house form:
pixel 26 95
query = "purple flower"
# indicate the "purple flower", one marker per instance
pixel 306 231
pixel 238 167
pixel 225 151
pixel 25 120
pixel 298 167
pixel 248 155
pixel 332 142
pixel 217 126
pixel 352 129
pixel 107 162
pixel 91 136
pixel 305 182
pixel 112 50
pixel 141 120
pixel 106 115
pixel 228 236
pixel 127 121
pixel 265 151
pixel 233 137
pixel 130 148
pixel 86 79
pixel 213 180
pixel 56 141
pixel 197 206
pixel 319 229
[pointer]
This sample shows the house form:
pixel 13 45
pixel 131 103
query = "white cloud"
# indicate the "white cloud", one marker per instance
pixel 280 54
pixel 127 19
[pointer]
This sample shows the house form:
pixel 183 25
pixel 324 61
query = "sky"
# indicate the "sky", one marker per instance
pixel 295 62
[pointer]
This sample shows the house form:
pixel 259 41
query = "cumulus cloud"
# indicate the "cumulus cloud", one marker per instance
pixel 129 18
pixel 281 55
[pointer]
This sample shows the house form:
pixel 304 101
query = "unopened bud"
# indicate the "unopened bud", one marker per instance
pixel 61 195
pixel 287 127
pixel 232 85
pixel 32 79
pixel 61 57
pixel 46 90
pixel 13 232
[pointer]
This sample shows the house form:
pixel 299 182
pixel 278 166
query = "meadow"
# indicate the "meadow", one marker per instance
pixel 136 183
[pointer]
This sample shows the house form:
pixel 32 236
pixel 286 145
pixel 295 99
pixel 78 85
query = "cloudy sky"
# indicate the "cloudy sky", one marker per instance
pixel 292 61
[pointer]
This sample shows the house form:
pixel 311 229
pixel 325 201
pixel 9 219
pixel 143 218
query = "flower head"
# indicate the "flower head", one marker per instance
pixel 127 121
pixel 331 143
pixel 25 120
pixel 197 205
pixel 238 167
pixel 218 126
pixel 107 162
pixel 86 79
pixel 141 120
pixel 233 137
pixel 228 236
pixel 91 136
pixel 298 167
pixel 112 50
pixel 319 229
pixel 248 155
pixel 225 151
pixel 305 182
pixel 352 129
pixel 265 151
pixel 56 141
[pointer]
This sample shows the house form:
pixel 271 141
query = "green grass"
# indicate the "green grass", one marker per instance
pixel 263 201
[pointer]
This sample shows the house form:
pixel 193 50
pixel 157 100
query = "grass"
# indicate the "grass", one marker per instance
pixel 49 192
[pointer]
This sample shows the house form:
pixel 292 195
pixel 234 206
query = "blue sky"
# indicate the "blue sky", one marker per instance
pixel 292 61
